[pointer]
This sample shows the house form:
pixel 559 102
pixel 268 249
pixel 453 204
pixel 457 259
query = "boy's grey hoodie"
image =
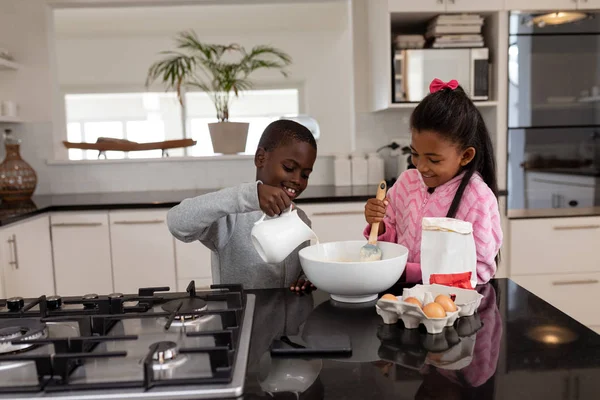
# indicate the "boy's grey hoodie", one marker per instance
pixel 223 221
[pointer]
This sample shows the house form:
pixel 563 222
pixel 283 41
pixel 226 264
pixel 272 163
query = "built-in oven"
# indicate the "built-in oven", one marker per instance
pixel 553 110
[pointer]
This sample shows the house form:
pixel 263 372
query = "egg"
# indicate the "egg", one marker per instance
pixel 434 310
pixel 388 296
pixel 445 302
pixel 413 300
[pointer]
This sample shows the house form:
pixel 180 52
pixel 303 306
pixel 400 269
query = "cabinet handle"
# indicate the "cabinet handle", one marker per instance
pixel 567 388
pixel 576 282
pixel 75 224
pixel 330 213
pixel 148 222
pixel 576 387
pixel 575 227
pixel 13 241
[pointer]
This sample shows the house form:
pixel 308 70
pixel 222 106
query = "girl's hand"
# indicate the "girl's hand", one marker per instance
pixel 273 200
pixel 375 210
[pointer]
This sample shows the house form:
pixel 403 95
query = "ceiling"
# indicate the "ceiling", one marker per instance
pixel 230 18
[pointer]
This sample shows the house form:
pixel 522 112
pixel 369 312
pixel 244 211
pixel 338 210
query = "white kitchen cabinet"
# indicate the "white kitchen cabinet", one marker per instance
pixel 573 294
pixel 337 222
pixel 412 6
pixel 26 258
pixel 474 5
pixel 588 4
pixel 81 249
pixel 554 245
pixel 551 5
pixel 193 261
pixel 143 253
pixel 399 6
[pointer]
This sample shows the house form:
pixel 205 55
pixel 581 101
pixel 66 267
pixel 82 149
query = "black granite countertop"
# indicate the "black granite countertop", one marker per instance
pixel 13 212
pixel 516 346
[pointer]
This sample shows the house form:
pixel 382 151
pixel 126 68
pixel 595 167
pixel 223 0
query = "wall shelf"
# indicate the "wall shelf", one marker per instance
pixel 8 65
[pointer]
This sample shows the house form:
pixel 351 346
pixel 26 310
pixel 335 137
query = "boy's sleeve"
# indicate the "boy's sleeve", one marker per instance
pixel 389 220
pixel 210 218
pixel 484 215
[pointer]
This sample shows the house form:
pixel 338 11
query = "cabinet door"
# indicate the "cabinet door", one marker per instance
pixel 81 247
pixel 551 5
pixel 586 383
pixel 554 245
pixel 573 294
pixel 411 5
pixel 337 222
pixel 588 4
pixel 143 253
pixel 474 5
pixel 193 262
pixel 27 259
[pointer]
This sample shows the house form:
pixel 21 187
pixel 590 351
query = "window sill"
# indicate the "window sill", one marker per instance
pixel 229 157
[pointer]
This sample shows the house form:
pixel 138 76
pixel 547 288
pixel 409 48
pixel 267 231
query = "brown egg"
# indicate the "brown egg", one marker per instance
pixel 434 310
pixel 414 300
pixel 388 296
pixel 445 302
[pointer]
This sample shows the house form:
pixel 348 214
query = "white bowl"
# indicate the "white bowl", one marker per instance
pixel 335 268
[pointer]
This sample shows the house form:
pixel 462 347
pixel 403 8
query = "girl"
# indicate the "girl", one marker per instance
pixel 455 177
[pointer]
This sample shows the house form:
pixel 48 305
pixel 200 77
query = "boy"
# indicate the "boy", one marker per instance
pixel 223 220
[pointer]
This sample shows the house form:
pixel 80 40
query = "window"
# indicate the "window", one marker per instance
pixel 154 117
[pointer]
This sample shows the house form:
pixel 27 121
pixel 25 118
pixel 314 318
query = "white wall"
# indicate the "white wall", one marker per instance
pixel 321 47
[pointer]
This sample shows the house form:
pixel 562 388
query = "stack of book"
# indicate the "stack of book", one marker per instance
pixel 451 31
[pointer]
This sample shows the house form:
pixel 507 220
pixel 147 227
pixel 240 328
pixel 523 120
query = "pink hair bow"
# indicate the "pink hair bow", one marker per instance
pixel 438 84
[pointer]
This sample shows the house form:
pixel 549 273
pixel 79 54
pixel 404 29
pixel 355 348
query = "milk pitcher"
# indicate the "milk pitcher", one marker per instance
pixel 275 238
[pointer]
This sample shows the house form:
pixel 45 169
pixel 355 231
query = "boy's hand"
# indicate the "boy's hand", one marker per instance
pixel 273 200
pixel 302 285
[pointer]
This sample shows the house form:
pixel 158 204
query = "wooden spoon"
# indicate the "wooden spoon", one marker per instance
pixel 370 251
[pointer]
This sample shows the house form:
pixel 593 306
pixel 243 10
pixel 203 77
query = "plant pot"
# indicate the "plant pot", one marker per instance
pixel 229 137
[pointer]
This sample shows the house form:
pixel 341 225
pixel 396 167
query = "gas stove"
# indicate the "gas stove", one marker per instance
pixel 155 344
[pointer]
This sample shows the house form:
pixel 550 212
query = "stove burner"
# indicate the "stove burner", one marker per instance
pixel 86 300
pixel 166 351
pixel 15 303
pixel 54 302
pixel 19 329
pixel 189 306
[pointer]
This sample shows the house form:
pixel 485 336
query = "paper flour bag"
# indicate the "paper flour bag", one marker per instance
pixel 448 255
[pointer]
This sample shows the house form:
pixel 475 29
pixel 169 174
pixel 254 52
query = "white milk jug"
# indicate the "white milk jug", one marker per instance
pixel 275 238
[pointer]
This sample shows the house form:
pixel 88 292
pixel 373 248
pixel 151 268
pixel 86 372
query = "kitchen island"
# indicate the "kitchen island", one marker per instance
pixel 517 346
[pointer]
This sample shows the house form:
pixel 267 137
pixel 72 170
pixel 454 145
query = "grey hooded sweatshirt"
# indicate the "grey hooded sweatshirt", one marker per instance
pixel 223 222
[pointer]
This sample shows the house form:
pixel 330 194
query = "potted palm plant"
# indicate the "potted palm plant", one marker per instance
pixel 222 71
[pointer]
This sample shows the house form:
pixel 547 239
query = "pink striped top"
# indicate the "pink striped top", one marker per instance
pixel 410 202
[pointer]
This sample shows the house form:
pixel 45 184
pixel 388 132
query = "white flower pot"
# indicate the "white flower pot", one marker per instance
pixel 229 137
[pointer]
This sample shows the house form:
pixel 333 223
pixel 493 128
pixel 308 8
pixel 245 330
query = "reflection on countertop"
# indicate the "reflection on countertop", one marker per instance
pixel 512 348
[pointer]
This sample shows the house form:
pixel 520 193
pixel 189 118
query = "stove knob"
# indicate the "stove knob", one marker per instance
pixel 88 297
pixel 54 302
pixel 15 303
pixel 115 296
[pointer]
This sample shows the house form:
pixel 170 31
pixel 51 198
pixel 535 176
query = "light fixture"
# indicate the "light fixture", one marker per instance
pixel 556 18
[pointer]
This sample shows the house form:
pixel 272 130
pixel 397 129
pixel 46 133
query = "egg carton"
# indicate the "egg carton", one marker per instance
pixel 412 315
pixel 468 300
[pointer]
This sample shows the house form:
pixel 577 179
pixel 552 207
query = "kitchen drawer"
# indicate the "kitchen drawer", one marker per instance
pixel 200 283
pixel 337 222
pixel 554 245
pixel 72 219
pixel 573 294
